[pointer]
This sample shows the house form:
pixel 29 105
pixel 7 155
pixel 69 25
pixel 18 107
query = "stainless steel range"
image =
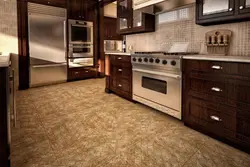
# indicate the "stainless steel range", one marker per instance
pixel 157 80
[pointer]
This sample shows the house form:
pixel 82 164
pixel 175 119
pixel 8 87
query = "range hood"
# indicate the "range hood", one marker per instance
pixel 161 5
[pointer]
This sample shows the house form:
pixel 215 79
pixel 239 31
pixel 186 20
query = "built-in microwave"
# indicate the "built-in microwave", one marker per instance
pixel 80 32
pixel 81 50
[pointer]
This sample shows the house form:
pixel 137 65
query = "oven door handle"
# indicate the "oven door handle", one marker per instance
pixel 158 73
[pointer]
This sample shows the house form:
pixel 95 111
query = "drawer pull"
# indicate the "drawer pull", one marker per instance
pixel 119 58
pixel 76 72
pixel 216 89
pixel 217 67
pixel 86 71
pixel 120 70
pixel 120 85
pixel 215 118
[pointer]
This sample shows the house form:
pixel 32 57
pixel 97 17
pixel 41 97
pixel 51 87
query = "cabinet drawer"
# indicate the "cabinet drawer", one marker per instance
pixel 227 88
pixel 81 74
pixel 120 60
pixel 121 84
pixel 216 119
pixel 218 67
pixel 119 71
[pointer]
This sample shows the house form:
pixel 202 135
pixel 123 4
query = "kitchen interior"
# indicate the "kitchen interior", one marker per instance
pixel 128 83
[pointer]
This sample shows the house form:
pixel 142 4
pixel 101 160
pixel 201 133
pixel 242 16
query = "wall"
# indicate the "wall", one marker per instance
pixel 8 26
pixel 187 31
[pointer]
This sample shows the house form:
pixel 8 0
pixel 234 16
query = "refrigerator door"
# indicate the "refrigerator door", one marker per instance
pixel 47 43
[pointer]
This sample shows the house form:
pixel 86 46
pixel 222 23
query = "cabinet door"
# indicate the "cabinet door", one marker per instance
pixel 88 10
pixel 124 14
pixel 74 9
pixel 244 6
pixel 208 9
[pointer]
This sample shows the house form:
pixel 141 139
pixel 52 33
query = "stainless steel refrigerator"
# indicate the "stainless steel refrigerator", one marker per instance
pixel 47 44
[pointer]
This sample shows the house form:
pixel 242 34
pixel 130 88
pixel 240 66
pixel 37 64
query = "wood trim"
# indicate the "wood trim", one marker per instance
pixel 23 44
pixel 101 56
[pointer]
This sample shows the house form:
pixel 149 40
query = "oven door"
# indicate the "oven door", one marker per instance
pixel 80 34
pixel 158 87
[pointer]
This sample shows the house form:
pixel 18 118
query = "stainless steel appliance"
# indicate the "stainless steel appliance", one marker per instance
pixel 80 50
pixel 112 46
pixel 47 43
pixel 157 81
pixel 80 32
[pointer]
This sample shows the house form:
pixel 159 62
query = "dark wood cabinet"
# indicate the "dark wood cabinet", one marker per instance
pixel 56 3
pixel 119 76
pixel 216 100
pixel 82 9
pixel 110 28
pixel 130 22
pixel 81 73
pixel 216 12
pixel 4 145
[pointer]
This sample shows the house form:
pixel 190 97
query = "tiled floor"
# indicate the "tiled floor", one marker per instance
pixel 77 124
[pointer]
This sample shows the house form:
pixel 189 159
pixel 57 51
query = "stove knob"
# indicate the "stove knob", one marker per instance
pixel 140 60
pixel 151 60
pixel 146 59
pixel 157 60
pixel 164 62
pixel 134 59
pixel 173 63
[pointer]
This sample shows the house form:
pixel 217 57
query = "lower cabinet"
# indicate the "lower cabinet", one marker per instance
pixel 217 102
pixel 119 80
pixel 81 73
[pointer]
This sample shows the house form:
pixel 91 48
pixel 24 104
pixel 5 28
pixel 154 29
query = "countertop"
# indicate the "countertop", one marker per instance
pixel 219 58
pixel 4 60
pixel 118 53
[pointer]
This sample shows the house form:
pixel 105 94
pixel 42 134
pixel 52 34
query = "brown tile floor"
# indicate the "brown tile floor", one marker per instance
pixel 77 124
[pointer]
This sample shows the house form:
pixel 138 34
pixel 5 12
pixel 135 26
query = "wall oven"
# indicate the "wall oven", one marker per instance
pixel 80 32
pixel 158 90
pixel 81 50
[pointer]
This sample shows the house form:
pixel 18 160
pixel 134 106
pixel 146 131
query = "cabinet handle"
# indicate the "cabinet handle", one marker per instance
pixel 215 118
pixel 76 72
pixel 217 67
pixel 241 7
pixel 87 71
pixel 120 70
pixel 48 2
pixel 120 85
pixel 216 89
pixel 230 9
pixel 119 58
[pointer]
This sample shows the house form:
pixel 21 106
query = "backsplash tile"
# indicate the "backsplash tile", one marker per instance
pixel 8 26
pixel 187 31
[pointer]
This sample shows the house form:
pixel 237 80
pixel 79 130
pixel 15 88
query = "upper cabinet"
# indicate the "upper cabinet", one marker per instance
pixel 222 11
pixel 56 3
pixel 131 21
pixel 82 9
pixel 110 29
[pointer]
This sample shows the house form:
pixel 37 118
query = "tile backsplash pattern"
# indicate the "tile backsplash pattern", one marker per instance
pixel 187 31
pixel 8 26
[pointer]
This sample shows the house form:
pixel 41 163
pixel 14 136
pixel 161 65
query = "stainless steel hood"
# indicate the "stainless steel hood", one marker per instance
pixel 161 5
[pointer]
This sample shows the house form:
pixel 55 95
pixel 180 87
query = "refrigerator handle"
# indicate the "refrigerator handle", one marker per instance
pixel 65 35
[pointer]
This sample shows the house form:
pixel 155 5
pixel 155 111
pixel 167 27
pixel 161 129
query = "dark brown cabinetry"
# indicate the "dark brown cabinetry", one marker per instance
pixel 57 3
pixel 216 100
pixel 119 76
pixel 110 28
pixel 216 12
pixel 4 145
pixel 81 73
pixel 82 9
pixel 130 22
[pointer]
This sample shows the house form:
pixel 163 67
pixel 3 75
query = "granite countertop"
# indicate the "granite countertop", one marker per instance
pixel 4 60
pixel 219 58
pixel 119 53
